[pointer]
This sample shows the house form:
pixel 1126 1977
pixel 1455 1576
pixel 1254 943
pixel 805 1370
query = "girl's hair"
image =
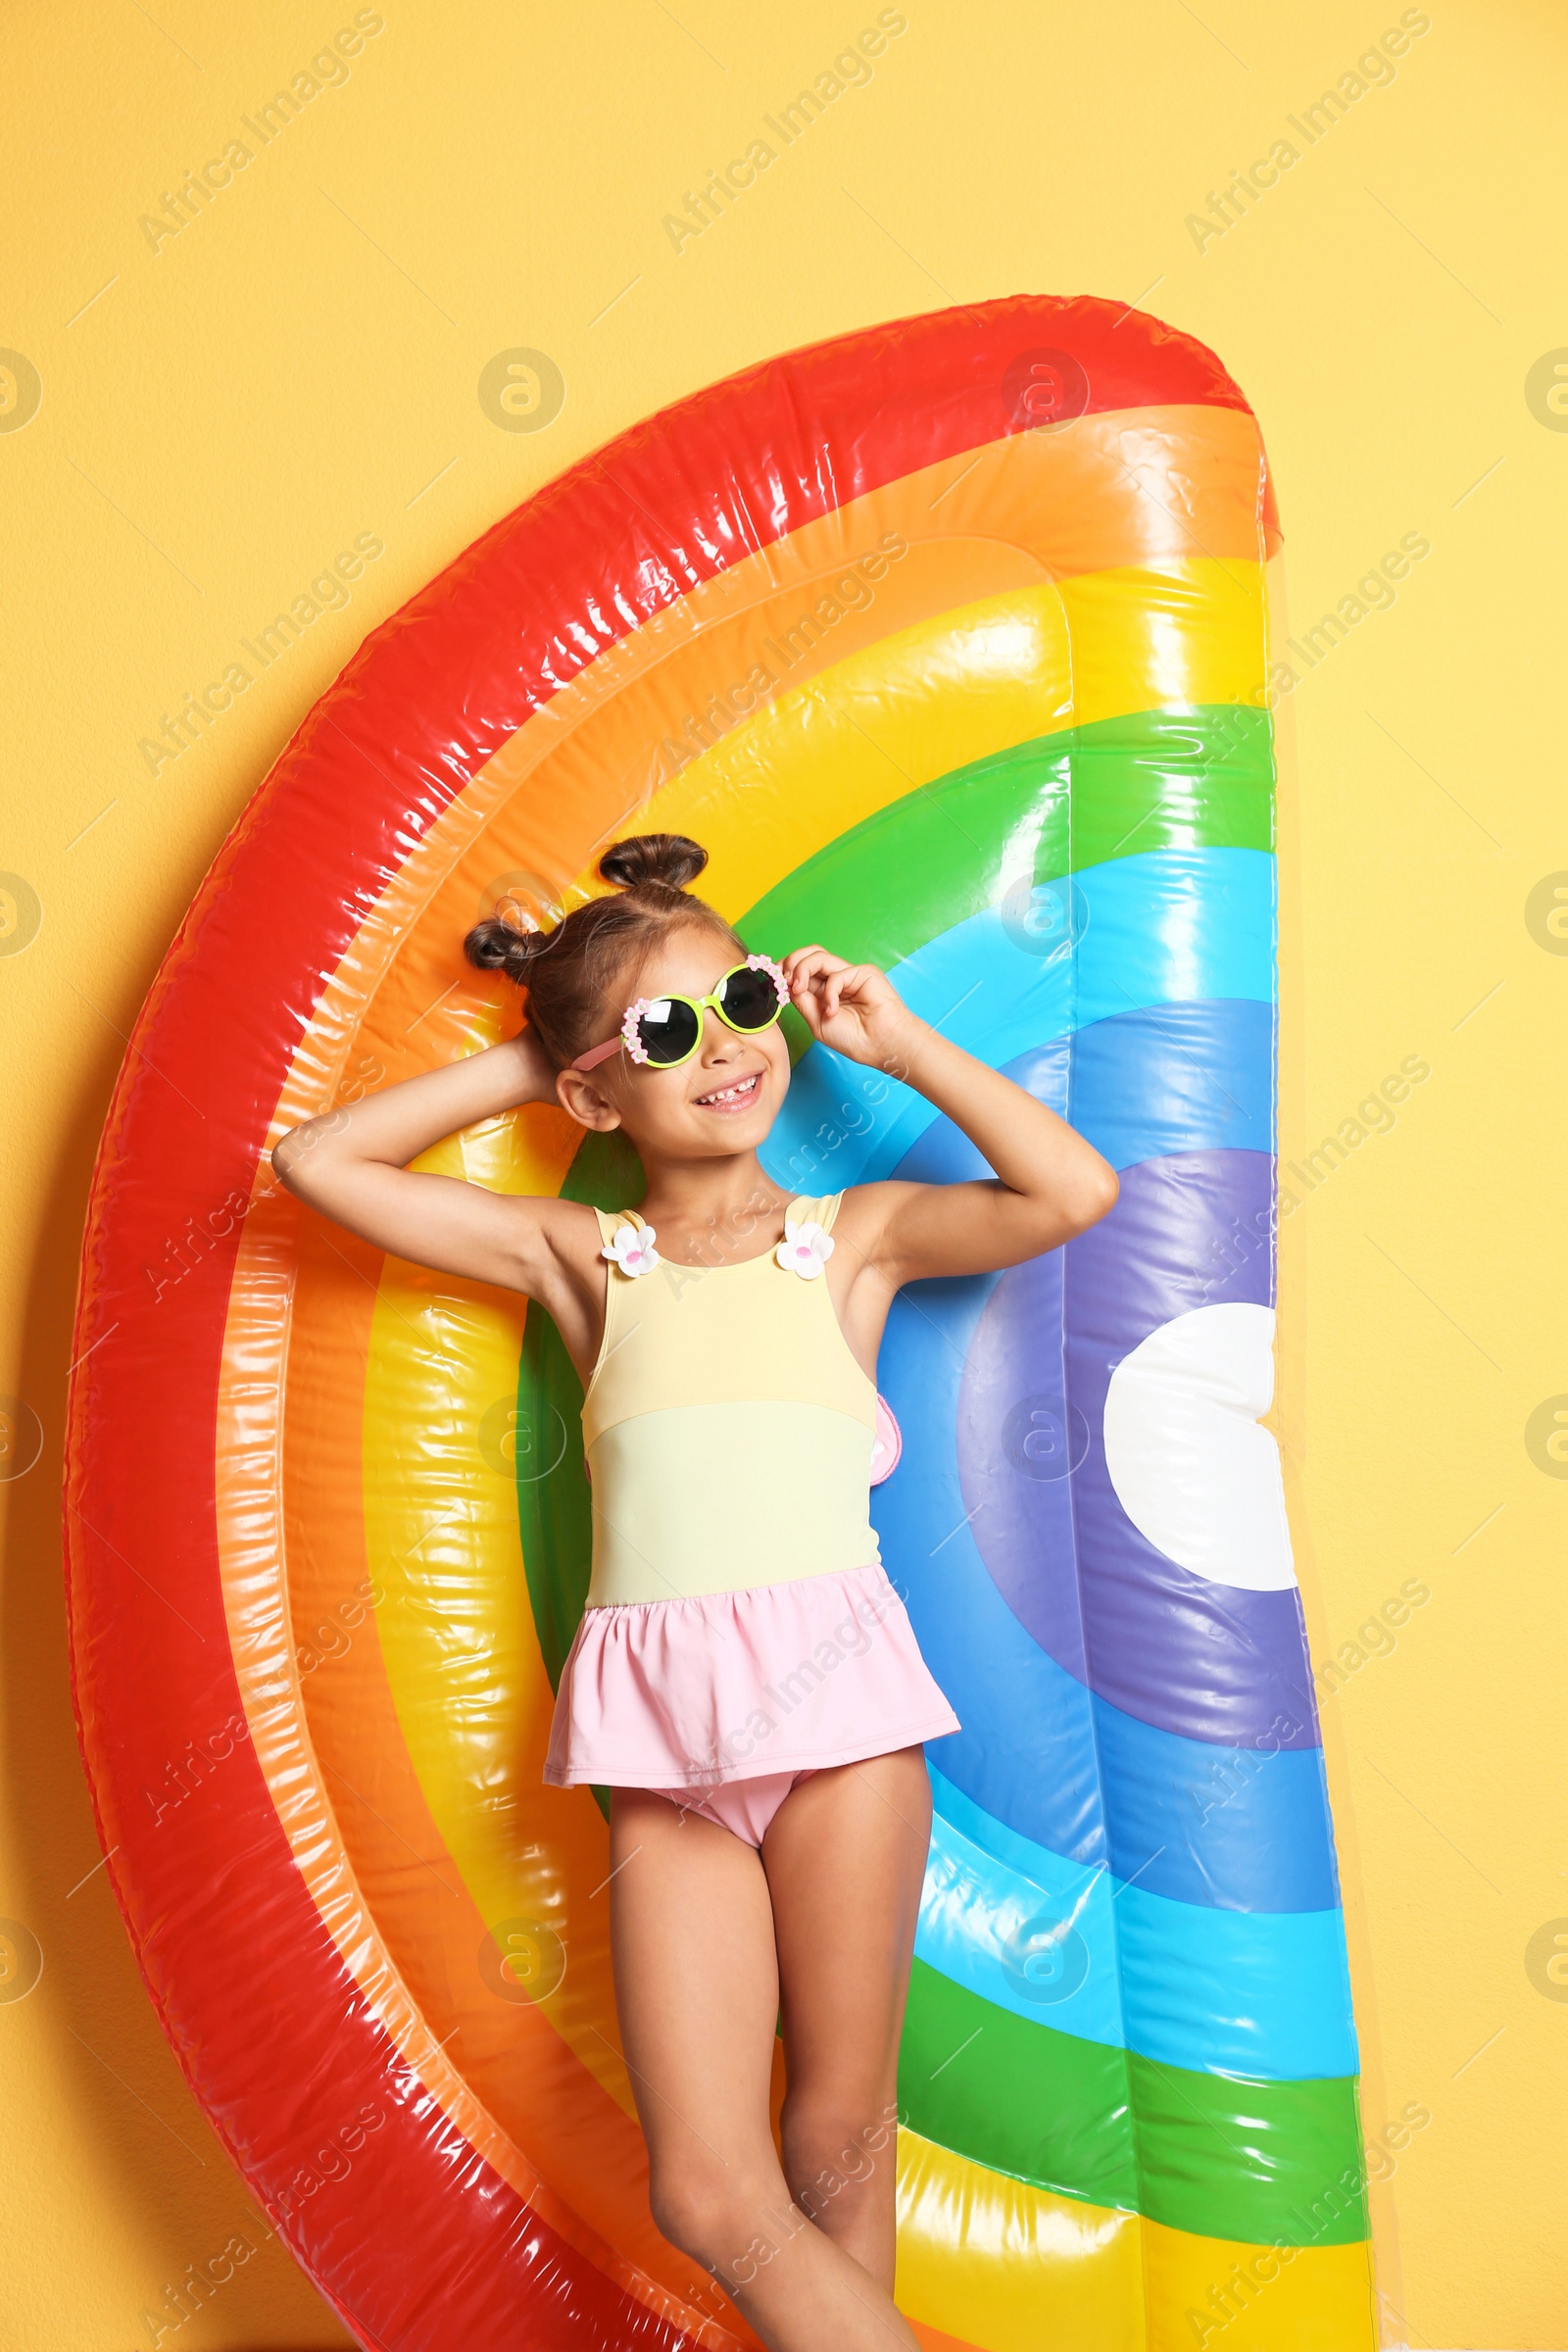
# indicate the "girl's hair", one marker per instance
pixel 570 972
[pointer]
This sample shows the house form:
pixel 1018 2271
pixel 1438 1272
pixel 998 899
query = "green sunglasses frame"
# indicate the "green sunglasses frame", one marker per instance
pixel 627 1037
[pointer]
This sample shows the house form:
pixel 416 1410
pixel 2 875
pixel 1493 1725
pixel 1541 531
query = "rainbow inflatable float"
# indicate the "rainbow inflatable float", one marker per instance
pixel 949 640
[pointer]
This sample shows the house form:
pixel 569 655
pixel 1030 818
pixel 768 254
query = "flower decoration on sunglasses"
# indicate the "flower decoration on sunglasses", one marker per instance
pixel 765 963
pixel 630 1037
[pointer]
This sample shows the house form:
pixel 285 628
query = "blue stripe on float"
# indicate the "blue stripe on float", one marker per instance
pixel 1261 1994
pixel 1042 1946
pixel 1172 927
pixel 1037 1751
pixel 1144 1085
pixel 1174 1078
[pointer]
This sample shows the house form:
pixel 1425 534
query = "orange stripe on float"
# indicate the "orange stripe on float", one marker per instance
pixel 1019 511
pixel 590 2153
pixel 254 1508
pixel 961 688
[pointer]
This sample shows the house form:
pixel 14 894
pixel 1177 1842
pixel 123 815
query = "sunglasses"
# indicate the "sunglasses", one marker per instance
pixel 666 1031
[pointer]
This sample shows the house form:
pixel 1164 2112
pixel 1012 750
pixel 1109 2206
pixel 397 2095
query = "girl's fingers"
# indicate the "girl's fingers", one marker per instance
pixel 808 1005
pixel 823 985
pixel 811 960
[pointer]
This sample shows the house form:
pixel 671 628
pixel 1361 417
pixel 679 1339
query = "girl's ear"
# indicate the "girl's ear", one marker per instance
pixel 579 1094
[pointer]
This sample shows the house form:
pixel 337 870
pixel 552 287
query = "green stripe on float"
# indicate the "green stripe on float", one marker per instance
pixel 554 1521
pixel 554 1518
pixel 1150 780
pixel 1262 2163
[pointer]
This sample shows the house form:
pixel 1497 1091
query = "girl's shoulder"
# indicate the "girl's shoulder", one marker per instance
pixel 800 1209
pixel 815 1209
pixel 862 1212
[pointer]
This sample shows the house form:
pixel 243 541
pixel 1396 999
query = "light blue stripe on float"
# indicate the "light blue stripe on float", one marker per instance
pixel 1036 1748
pixel 1173 926
pixel 1258 1993
pixel 1144 1085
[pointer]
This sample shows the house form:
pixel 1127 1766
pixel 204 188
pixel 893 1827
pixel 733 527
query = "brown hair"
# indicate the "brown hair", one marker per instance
pixel 571 970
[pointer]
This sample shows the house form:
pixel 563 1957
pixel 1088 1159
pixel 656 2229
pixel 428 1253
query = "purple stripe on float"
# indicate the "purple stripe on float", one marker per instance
pixel 1207 1661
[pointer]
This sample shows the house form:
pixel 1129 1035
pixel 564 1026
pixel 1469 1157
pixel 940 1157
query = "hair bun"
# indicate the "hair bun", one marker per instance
pixel 496 945
pixel 670 858
pixel 577 973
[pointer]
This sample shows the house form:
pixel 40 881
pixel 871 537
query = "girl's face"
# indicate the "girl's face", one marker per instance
pixel 723 1100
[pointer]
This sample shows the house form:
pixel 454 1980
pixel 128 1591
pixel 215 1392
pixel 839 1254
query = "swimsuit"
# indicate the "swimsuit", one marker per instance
pixel 740 1627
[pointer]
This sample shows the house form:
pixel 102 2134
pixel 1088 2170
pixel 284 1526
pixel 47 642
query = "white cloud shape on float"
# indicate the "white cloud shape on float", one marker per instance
pixel 1190 1467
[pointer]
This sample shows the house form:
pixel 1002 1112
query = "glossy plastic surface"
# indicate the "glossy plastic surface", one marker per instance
pixel 949 640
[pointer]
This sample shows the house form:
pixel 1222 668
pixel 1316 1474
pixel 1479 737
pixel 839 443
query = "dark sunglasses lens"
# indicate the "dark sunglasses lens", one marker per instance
pixel 751 1000
pixel 667 1029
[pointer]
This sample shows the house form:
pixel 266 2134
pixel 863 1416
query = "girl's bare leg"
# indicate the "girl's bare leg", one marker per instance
pixel 697 1995
pixel 845 1856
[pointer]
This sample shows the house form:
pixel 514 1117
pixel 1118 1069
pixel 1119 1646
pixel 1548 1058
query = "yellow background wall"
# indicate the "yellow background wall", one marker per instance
pixel 300 366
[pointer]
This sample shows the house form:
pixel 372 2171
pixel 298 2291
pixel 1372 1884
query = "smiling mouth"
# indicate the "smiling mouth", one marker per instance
pixel 735 1097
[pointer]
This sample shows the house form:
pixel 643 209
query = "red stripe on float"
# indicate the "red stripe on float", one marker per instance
pixel 232 1950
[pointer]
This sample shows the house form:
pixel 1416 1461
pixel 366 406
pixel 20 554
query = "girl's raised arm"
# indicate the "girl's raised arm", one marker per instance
pixel 351 1164
pixel 1050 1183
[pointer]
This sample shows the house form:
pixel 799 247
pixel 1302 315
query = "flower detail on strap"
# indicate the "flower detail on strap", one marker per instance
pixel 631 1039
pixel 632 1248
pixel 805 1249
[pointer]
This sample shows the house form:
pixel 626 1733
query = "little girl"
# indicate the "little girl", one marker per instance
pixel 745 1679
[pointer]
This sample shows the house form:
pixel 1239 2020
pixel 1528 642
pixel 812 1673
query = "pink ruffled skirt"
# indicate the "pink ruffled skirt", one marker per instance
pixel 724 1686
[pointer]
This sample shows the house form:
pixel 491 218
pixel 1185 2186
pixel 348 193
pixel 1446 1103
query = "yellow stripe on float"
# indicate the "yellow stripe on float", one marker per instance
pixel 899 714
pixel 1232 2297
pixel 1007 2267
pixel 463 1660
pixel 1010 2267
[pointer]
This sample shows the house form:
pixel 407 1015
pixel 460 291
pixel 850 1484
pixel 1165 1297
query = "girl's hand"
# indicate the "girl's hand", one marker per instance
pixel 353 1164
pixel 850 1006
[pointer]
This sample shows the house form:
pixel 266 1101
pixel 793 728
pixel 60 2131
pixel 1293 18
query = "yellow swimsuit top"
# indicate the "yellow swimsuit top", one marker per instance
pixel 727 1426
